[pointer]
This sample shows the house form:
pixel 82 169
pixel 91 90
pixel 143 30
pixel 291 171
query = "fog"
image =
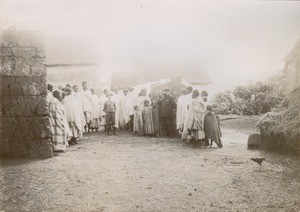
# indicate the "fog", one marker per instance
pixel 237 41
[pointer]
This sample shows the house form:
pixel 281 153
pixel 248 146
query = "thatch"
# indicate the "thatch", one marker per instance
pixel 292 67
pixel 281 130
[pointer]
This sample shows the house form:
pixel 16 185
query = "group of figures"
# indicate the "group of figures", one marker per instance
pixel 73 112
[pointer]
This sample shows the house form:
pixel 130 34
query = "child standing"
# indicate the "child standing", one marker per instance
pixel 212 127
pixel 137 121
pixel 147 118
pixel 110 111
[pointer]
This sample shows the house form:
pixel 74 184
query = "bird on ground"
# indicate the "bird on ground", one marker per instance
pixel 258 160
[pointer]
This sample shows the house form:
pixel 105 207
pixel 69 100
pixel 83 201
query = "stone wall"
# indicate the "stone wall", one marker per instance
pixel 24 126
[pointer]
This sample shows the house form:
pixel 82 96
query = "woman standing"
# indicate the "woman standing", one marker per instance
pixel 195 118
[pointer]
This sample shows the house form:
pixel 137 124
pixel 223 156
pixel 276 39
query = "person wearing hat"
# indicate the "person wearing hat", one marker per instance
pixel 110 111
pixel 166 106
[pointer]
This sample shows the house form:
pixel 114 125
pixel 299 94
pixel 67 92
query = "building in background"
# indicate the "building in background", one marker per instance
pixel 193 72
pixel 74 60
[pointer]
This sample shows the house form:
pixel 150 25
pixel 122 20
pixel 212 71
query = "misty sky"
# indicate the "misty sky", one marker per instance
pixel 236 41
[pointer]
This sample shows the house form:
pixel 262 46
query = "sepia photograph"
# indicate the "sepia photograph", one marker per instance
pixel 150 105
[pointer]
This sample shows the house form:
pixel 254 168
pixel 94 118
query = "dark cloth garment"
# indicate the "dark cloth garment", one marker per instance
pixel 155 117
pixel 166 105
pixel 110 118
pixel 212 129
pixel 109 106
pixel 167 127
pixel 130 122
pixel 148 121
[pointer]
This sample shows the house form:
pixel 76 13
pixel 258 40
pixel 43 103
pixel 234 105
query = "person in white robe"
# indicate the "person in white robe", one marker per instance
pixel 96 113
pixel 79 107
pixel 181 111
pixel 117 100
pixel 103 98
pixel 87 105
pixel 124 116
pixel 187 101
pixel 72 115
pixel 131 101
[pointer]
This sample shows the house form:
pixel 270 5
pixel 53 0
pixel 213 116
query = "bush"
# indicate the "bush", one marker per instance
pixel 254 99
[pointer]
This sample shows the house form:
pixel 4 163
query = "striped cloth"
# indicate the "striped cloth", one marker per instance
pixel 58 122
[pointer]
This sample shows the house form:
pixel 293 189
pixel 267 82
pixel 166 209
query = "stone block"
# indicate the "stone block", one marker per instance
pixel 5 51
pixel 40 148
pixel 254 141
pixel 7 66
pixel 40 52
pixel 22 67
pixel 19 150
pixel 25 129
pixel 7 128
pixel 9 38
pixel 23 86
pixel 39 69
pixel 4 149
pixel 26 106
pixel 24 52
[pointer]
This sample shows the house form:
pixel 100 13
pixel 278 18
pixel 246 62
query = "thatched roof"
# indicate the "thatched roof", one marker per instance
pixel 281 130
pixel 292 67
pixel 193 73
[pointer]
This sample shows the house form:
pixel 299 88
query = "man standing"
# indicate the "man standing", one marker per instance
pixel 79 106
pixel 117 100
pixel 87 105
pixel 183 106
pixel 73 116
pixel 166 106
pixel 58 122
pixel 124 116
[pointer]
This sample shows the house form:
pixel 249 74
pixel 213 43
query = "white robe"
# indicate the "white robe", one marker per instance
pixel 86 100
pixel 102 100
pixel 124 116
pixel 131 101
pixel 96 109
pixel 117 100
pixel 72 115
pixel 79 106
pixel 187 102
pixel 180 113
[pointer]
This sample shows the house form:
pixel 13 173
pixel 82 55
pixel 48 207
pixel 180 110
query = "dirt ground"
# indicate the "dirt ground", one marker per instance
pixel 128 173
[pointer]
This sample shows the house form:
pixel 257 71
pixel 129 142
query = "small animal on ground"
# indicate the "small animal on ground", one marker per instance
pixel 258 160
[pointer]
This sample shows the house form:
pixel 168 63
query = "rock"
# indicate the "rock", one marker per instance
pixel 254 141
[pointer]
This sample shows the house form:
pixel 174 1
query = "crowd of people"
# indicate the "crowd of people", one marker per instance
pixel 73 112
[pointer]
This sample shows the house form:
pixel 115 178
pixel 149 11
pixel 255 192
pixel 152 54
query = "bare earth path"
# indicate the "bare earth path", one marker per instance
pixel 127 173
